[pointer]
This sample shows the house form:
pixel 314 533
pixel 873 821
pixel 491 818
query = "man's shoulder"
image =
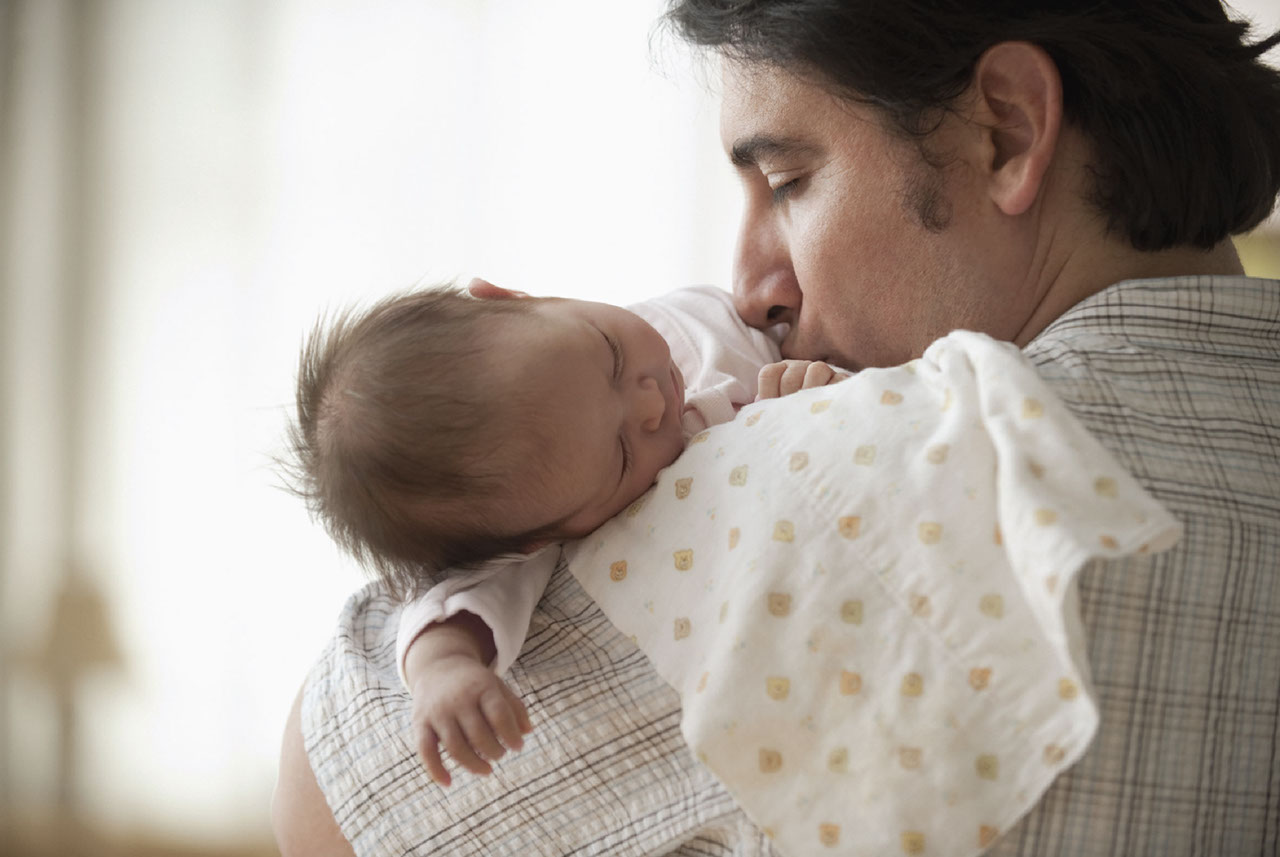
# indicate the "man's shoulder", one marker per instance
pixel 1164 322
pixel 1168 374
pixel 1203 305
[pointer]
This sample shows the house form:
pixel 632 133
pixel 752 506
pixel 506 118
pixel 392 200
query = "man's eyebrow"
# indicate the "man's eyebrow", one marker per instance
pixel 749 151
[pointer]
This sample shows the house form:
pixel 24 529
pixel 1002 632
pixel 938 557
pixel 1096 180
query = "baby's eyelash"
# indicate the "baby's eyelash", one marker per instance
pixel 617 357
pixel 626 455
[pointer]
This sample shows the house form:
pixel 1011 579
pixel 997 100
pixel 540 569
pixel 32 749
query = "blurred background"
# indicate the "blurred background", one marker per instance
pixel 184 186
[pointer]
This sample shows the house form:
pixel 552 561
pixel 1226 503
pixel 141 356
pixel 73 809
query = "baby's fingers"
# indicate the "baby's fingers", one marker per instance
pixel 817 374
pixel 480 737
pixel 768 381
pixel 522 713
pixel 793 377
pixel 429 752
pixel 503 711
pixel 455 739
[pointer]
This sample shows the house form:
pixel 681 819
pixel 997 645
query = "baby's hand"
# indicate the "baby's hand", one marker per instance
pixel 461 704
pixel 788 376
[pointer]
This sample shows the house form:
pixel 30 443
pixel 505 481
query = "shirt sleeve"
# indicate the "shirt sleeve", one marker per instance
pixel 501 593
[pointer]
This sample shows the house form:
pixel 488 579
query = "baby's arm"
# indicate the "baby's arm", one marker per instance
pixel 458 701
pixel 453 644
pixel 789 376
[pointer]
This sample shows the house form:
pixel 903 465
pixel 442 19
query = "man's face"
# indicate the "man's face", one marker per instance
pixel 849 236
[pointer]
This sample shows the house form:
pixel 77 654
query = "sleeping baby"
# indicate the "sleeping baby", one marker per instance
pixel 462 435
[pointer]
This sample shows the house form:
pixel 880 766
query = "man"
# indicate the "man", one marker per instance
pixel 1062 175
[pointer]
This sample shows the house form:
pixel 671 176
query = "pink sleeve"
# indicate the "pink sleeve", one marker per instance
pixel 502 593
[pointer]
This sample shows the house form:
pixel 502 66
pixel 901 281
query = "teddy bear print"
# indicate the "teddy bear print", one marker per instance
pixel 992 605
pixel 929 532
pixel 683 559
pixel 850 526
pixel 920 605
pixel 910 758
pixel 838 760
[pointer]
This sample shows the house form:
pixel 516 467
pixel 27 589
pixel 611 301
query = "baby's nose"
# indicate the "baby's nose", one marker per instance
pixel 650 404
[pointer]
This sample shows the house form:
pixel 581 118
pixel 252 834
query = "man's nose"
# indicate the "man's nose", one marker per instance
pixel 765 289
pixel 650 404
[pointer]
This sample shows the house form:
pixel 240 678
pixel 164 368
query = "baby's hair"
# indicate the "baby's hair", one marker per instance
pixel 400 430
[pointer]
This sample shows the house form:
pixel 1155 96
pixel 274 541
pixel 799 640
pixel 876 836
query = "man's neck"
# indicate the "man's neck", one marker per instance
pixel 1082 278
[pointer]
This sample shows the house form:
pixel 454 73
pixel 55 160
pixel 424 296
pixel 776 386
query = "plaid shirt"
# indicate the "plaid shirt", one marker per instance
pixel 1180 379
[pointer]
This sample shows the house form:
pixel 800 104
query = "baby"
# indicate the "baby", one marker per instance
pixel 452 438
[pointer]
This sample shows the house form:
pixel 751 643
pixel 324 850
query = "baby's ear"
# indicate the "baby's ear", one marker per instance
pixel 486 290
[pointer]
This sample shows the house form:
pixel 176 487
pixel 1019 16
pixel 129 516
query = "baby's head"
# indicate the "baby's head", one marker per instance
pixel 442 428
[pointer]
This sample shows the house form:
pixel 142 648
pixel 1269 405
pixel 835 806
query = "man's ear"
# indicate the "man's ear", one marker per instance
pixel 1018 102
pixel 486 290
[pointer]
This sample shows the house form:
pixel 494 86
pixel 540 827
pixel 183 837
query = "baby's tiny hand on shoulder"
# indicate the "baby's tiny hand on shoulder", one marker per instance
pixel 789 376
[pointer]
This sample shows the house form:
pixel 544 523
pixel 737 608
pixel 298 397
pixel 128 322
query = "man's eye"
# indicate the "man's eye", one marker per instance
pixel 783 191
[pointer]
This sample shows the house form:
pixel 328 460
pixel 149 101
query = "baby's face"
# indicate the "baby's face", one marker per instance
pixel 609 402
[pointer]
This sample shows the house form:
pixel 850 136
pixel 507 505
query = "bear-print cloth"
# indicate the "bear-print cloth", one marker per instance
pixel 864 595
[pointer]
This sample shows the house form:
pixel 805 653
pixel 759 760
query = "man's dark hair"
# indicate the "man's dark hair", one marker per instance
pixel 402 434
pixel 1182 115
